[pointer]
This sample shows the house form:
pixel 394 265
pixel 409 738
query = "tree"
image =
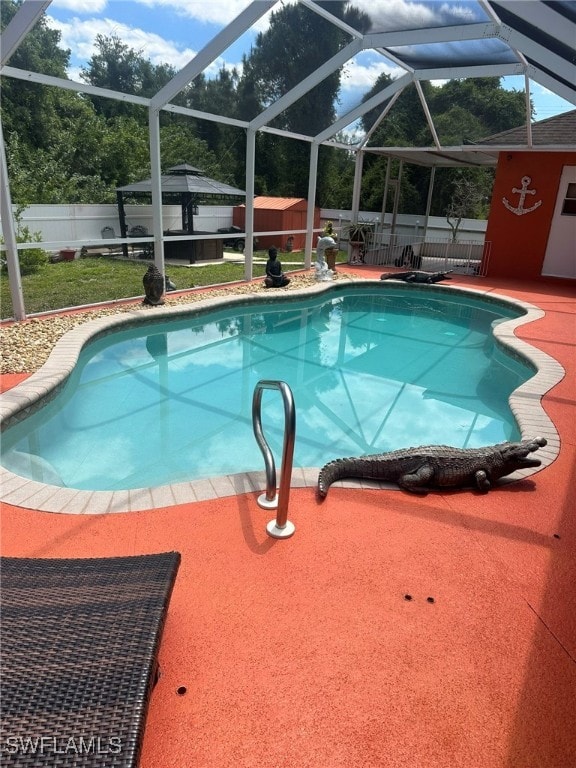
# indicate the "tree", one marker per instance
pixel 53 138
pixel 120 68
pixel 462 110
pixel 56 145
pixel 29 109
pixel 271 71
pixel 337 181
pixel 404 125
pixel 179 146
pixel 220 96
pixel 466 196
pixel 67 147
pixel 48 175
pixel 495 108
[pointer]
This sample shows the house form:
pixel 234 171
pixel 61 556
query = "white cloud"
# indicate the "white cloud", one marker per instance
pixel 458 12
pixel 80 37
pixel 389 15
pixel 360 76
pixel 213 12
pixel 219 12
pixel 80 6
pixel 79 32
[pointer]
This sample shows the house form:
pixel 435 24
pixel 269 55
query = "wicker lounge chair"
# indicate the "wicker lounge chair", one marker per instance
pixel 80 640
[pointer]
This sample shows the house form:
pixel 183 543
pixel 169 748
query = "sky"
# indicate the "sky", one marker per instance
pixel 173 31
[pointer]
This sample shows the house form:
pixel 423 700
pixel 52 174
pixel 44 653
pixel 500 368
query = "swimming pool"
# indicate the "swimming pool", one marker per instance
pixel 372 369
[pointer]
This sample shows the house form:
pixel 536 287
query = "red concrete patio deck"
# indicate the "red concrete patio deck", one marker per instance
pixel 307 653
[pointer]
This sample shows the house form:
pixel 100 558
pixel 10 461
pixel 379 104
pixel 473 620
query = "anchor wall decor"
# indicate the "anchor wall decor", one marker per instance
pixel 523 191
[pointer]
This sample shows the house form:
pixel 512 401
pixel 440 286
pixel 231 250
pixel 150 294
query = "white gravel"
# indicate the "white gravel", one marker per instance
pixel 25 346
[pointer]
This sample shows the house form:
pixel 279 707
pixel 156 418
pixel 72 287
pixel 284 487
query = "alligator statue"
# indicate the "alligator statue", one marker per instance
pixel 417 276
pixel 435 466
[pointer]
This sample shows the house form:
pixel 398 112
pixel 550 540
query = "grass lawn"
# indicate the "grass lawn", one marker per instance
pixel 105 278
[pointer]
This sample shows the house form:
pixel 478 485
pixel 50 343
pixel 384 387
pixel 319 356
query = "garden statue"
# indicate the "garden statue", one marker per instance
pixel 326 251
pixel 436 466
pixel 170 286
pixel 275 277
pixel 408 258
pixel 328 230
pixel 153 286
pixel 417 276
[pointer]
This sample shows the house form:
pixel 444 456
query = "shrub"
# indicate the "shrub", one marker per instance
pixel 31 259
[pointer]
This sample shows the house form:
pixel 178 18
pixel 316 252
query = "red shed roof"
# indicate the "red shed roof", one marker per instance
pixel 279 203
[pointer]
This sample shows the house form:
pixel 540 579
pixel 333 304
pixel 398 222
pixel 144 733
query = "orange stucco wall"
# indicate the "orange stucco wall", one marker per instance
pixel 518 243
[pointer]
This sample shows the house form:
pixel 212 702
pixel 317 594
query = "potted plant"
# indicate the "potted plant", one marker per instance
pixel 358 233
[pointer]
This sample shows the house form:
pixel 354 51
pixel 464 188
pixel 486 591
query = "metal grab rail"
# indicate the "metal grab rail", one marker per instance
pixel 281 527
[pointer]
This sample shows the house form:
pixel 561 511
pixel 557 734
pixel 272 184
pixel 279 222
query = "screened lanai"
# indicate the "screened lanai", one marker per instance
pixel 533 40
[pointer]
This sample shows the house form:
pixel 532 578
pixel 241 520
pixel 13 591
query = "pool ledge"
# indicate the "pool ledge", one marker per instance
pixel 42 386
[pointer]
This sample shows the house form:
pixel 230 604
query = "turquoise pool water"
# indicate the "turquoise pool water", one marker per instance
pixel 370 370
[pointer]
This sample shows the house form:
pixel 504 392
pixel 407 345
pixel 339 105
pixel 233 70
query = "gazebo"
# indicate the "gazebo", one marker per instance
pixel 189 187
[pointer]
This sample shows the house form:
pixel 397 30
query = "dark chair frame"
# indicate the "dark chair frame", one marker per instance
pixel 79 648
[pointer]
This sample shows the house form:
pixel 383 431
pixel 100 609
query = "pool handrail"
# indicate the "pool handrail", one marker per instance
pixel 281 527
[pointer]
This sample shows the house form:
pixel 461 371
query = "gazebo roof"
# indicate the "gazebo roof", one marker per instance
pixel 185 178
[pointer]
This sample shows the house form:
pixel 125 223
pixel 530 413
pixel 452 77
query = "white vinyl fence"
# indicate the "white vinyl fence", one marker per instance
pixel 62 226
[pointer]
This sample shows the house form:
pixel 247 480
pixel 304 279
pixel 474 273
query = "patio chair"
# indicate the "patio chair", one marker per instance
pixel 107 233
pixel 147 249
pixel 80 640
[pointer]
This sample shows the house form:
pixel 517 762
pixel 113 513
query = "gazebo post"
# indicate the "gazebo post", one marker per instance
pixel 122 220
pixel 187 200
pixel 187 212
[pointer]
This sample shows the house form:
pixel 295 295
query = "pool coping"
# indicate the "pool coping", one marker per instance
pixel 42 386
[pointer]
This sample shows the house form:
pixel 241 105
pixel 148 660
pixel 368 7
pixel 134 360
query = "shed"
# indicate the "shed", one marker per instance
pixel 286 214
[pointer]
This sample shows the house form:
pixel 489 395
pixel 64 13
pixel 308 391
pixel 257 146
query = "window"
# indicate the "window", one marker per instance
pixel 569 207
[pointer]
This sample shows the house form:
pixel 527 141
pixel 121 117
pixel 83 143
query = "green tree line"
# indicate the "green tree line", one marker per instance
pixel 66 147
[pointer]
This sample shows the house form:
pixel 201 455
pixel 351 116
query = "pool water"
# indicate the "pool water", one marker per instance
pixel 370 371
